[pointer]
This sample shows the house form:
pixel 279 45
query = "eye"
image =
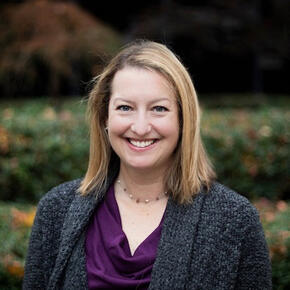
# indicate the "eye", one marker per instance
pixel 124 108
pixel 160 109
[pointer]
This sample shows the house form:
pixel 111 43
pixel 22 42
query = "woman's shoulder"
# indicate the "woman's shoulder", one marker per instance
pixel 220 192
pixel 60 195
pixel 227 201
pixel 63 190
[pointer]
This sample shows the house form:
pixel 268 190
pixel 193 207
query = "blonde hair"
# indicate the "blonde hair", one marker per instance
pixel 191 168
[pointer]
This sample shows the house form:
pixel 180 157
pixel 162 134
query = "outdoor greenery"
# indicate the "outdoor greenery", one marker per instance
pixel 41 147
pixel 275 218
pixel 15 223
pixel 250 149
pixel 44 143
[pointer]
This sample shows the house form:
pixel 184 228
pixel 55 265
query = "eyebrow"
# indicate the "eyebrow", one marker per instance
pixel 132 102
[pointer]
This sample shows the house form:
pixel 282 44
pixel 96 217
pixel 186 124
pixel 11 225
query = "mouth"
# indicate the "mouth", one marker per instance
pixel 142 143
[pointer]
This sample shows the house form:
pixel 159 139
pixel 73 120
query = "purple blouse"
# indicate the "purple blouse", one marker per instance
pixel 109 262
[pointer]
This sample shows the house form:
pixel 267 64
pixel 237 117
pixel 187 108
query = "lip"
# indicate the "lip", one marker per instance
pixel 141 149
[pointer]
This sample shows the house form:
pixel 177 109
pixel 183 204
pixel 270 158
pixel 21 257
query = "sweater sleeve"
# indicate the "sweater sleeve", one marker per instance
pixel 254 267
pixel 34 276
pixel 46 235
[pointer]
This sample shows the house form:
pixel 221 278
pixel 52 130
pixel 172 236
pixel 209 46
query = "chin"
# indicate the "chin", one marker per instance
pixel 144 165
pixel 141 166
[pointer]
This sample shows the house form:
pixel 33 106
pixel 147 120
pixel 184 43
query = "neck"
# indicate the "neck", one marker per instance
pixel 143 185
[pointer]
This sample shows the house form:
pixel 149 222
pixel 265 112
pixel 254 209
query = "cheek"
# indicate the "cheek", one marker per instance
pixel 117 125
pixel 169 127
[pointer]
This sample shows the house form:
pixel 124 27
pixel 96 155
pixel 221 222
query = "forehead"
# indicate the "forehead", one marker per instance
pixel 135 81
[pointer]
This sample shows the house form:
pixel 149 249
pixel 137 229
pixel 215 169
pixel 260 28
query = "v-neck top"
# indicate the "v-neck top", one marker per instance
pixel 109 262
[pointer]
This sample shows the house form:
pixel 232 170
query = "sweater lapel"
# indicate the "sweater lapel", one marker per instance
pixel 75 223
pixel 176 245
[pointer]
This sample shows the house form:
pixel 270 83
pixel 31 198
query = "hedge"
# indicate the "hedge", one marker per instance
pixel 43 144
pixel 41 147
pixel 250 149
pixel 275 218
pixel 15 223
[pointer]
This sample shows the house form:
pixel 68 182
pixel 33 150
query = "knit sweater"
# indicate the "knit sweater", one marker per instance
pixel 216 242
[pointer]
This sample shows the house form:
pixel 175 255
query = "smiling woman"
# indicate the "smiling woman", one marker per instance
pixel 148 214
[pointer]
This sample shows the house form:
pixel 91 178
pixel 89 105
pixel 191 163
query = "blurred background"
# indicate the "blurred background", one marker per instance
pixel 237 52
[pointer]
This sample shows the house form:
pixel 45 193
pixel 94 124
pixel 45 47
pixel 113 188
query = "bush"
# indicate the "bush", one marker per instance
pixel 250 149
pixel 15 223
pixel 43 145
pixel 275 218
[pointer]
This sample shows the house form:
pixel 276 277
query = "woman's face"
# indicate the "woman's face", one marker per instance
pixel 143 123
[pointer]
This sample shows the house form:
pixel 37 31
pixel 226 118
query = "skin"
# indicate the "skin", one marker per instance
pixel 143 130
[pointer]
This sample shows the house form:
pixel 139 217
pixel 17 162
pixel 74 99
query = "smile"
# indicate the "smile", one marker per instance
pixel 141 143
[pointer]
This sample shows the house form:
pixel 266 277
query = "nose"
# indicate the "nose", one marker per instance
pixel 141 125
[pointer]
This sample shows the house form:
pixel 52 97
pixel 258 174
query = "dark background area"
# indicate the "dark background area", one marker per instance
pixel 229 46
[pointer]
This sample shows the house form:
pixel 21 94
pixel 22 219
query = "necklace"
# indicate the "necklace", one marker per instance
pixel 138 200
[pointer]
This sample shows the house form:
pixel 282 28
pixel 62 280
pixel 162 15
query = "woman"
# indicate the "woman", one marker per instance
pixel 148 213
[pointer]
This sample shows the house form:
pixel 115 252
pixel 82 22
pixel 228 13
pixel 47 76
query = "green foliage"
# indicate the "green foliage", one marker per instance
pixel 44 144
pixel 250 149
pixel 280 241
pixel 15 223
pixel 276 222
pixel 41 147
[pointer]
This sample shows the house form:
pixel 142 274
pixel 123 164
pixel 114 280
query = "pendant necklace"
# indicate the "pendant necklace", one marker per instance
pixel 138 200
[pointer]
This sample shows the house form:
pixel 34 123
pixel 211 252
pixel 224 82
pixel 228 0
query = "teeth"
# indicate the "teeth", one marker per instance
pixel 141 144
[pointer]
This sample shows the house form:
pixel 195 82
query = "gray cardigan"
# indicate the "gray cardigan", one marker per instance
pixel 216 242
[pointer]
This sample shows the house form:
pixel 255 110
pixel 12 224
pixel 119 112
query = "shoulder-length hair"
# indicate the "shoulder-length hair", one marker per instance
pixel 191 168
